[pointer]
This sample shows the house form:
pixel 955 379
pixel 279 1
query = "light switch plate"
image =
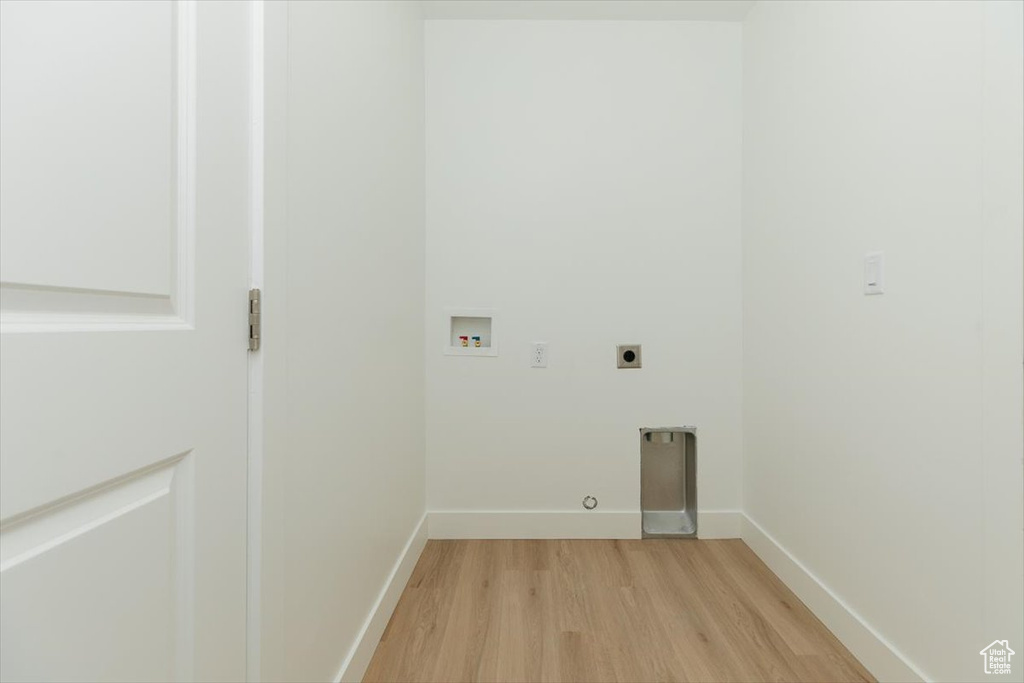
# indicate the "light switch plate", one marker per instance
pixel 874 272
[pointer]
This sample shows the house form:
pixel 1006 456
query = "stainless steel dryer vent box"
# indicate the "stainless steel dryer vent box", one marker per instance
pixel 668 482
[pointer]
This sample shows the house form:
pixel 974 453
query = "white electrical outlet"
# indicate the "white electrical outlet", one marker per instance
pixel 539 355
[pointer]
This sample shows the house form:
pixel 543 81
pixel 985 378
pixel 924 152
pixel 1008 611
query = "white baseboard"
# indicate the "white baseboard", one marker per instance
pixel 877 654
pixel 566 524
pixel 528 525
pixel 713 524
pixel 354 666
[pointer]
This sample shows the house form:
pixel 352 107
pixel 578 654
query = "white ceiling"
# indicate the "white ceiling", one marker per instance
pixel 691 10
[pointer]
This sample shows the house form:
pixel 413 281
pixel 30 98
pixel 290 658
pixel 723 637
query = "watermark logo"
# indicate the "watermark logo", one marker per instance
pixel 997 657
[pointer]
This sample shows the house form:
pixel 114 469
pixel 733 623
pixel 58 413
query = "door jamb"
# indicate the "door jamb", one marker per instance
pixel 254 476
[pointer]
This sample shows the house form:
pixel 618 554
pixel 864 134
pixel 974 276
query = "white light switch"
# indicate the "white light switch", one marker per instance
pixel 874 272
pixel 539 355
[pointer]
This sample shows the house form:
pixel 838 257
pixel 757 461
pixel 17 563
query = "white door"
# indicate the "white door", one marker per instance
pixel 124 269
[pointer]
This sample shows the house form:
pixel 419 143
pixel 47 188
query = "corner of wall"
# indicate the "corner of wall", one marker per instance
pixel 360 655
pixel 877 654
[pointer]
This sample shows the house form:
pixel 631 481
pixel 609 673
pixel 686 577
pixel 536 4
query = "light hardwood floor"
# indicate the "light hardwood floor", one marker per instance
pixel 591 611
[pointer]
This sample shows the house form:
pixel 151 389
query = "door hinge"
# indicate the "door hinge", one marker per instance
pixel 254 319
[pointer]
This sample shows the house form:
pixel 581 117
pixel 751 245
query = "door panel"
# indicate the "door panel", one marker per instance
pixel 108 538
pixel 98 138
pixel 123 280
pixel 81 124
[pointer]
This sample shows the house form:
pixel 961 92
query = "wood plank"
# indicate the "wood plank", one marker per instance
pixel 596 610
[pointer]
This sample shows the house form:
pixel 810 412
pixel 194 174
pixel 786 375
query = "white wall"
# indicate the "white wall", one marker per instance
pixel 583 179
pixel 343 337
pixel 883 434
